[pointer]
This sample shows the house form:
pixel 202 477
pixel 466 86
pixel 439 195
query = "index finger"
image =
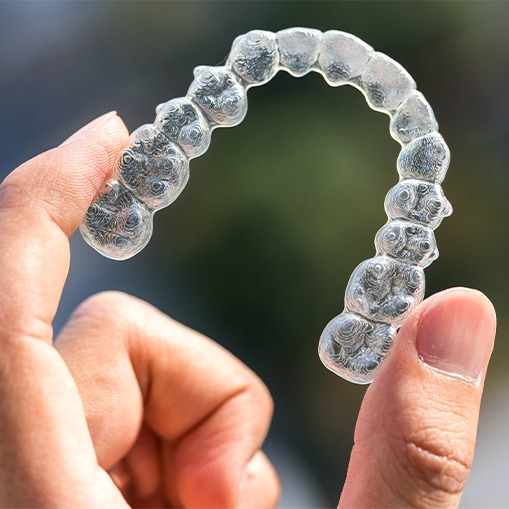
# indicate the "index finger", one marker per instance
pixel 42 203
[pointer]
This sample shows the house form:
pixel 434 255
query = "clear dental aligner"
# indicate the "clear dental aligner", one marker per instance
pixel 154 169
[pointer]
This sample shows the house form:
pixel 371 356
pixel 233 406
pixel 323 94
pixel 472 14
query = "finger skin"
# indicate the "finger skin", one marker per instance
pixel 132 364
pixel 415 435
pixel 260 487
pixel 189 388
pixel 41 204
pixel 46 454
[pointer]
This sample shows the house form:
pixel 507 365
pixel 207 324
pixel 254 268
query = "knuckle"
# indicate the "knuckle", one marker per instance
pixel 261 394
pixel 31 185
pixel 438 461
pixel 254 404
pixel 11 191
pixel 267 401
pixel 105 307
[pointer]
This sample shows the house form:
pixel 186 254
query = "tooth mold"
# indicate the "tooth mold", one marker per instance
pixel 154 168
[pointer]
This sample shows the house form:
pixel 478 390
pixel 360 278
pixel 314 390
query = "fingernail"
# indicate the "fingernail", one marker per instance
pixel 90 127
pixel 456 334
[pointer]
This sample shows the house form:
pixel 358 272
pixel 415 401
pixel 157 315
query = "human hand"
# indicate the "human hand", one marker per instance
pixel 416 431
pixel 175 419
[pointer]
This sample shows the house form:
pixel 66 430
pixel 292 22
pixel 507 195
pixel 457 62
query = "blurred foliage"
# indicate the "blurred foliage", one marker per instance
pixel 283 207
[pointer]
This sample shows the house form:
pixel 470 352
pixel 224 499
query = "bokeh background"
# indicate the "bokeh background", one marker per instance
pixel 257 251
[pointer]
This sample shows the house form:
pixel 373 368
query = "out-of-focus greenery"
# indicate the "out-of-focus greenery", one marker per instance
pixel 282 208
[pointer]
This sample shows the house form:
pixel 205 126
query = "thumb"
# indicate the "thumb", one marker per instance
pixel 415 436
pixel 42 202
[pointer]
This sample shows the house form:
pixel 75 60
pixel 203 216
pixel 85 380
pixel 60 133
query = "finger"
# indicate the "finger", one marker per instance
pixel 415 435
pixel 144 465
pixel 44 440
pixel 130 361
pixel 41 203
pixel 260 487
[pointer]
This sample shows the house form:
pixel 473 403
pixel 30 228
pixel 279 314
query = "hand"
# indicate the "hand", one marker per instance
pixel 176 419
pixel 173 418
pixel 415 435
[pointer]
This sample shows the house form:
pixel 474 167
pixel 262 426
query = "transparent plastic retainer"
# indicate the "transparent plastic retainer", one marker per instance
pixel 154 169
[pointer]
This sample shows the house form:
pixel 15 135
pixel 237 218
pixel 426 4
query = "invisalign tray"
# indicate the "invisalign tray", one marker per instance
pixel 382 291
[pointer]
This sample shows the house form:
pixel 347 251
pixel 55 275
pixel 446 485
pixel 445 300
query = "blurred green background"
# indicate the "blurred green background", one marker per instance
pixel 258 249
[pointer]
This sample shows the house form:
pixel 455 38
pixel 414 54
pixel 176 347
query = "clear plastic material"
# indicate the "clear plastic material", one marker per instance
pixel 155 172
pixel 413 118
pixel 418 201
pixel 353 347
pixel 385 83
pixel 407 242
pixel 425 158
pixel 154 168
pixel 384 290
pixel 117 224
pixel 254 57
pixel 219 94
pixel 182 122
pixel 298 49
pixel 343 57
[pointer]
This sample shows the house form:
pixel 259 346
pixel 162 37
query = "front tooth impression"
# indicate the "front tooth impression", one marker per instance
pixel 385 83
pixel 343 57
pixel 413 118
pixel 298 49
